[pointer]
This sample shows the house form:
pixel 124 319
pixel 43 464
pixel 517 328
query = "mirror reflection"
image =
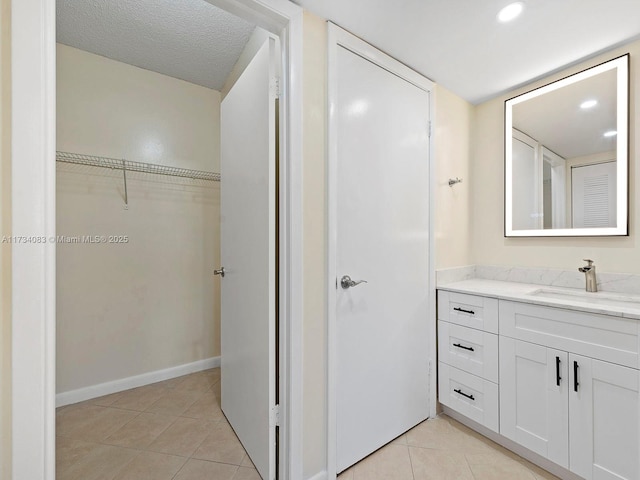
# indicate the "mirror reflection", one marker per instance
pixel 566 156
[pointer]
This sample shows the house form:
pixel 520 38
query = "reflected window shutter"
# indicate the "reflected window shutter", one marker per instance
pixel 596 201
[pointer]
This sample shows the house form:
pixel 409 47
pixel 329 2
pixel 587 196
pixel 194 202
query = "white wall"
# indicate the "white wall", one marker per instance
pixel 256 40
pixel 152 303
pixel 5 249
pixel 489 247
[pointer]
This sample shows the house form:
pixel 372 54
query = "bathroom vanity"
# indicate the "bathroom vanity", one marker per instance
pixel 557 371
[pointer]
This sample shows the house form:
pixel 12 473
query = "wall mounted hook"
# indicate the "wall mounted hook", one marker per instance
pixel 453 181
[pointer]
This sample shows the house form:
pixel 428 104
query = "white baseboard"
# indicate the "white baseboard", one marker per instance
pixel 319 476
pixel 114 386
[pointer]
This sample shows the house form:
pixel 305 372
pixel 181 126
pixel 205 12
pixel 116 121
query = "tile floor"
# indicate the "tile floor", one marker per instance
pixel 175 430
pixel 172 430
pixel 444 449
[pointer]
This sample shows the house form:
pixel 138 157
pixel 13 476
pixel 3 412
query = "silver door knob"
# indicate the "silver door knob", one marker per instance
pixel 219 272
pixel 346 282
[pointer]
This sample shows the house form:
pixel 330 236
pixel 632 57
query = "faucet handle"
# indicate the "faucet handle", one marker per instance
pixel 589 262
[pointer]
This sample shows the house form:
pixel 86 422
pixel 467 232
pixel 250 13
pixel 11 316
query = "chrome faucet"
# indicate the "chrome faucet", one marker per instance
pixel 589 271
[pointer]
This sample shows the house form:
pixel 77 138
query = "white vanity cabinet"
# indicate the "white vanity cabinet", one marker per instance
pixel 534 407
pixel 604 419
pixel 581 411
pixel 568 381
pixel 468 356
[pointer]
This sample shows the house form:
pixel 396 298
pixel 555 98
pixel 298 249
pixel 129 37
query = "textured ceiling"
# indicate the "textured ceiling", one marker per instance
pixel 187 39
pixel 460 44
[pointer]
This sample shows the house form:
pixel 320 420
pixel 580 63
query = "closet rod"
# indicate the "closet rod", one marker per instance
pixel 120 164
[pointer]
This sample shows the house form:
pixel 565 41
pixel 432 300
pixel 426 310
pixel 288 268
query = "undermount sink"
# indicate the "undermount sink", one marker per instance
pixel 596 298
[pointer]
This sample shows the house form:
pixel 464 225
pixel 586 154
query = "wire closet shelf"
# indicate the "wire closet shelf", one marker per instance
pixel 129 165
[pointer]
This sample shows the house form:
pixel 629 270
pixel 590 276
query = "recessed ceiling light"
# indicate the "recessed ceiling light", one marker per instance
pixel 510 12
pixel 588 104
pixel 610 133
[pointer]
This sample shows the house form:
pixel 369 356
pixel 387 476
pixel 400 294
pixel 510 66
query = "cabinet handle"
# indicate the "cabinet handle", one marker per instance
pixel 470 312
pixel 558 377
pixel 470 397
pixel 463 347
pixel 575 376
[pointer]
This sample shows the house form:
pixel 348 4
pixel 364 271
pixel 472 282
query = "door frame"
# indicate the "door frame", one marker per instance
pixel 338 37
pixel 33 273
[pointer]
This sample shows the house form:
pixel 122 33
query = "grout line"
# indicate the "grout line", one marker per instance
pixel 413 474
pixel 466 460
pixel 180 469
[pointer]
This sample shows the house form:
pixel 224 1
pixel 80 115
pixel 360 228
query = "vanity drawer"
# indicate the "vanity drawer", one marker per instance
pixel 603 337
pixel 473 351
pixel 468 310
pixel 469 395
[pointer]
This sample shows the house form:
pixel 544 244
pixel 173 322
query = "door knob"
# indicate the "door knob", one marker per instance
pixel 346 282
pixel 219 272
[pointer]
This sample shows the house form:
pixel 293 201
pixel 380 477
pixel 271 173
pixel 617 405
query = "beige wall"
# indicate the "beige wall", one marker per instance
pixel 453 123
pixel 315 247
pixel 5 229
pixel 615 254
pixel 111 108
pixel 152 303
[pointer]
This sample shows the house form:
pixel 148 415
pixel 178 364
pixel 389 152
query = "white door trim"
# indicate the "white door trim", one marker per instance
pixel 337 37
pixel 33 95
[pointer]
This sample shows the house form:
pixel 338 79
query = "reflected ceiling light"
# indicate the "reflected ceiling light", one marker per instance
pixel 610 133
pixel 588 104
pixel 510 12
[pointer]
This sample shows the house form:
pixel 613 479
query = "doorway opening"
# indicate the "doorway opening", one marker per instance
pixel 153 194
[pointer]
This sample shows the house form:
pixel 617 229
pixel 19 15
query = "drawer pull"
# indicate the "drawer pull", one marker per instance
pixel 575 376
pixel 470 397
pixel 458 309
pixel 463 347
pixel 558 377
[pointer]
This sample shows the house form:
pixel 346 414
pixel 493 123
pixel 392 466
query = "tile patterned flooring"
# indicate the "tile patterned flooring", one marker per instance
pixel 444 449
pixel 172 430
pixel 175 430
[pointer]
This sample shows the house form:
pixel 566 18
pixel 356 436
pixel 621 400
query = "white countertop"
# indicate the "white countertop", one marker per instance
pixel 605 303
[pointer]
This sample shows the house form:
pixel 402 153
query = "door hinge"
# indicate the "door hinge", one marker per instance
pixel 275 416
pixel 275 87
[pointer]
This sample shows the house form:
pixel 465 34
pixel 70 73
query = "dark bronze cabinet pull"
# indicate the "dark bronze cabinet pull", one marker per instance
pixel 458 309
pixel 575 376
pixel 558 377
pixel 463 347
pixel 470 397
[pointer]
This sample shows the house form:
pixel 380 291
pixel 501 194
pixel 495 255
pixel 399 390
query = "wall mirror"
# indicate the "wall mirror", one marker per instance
pixel 566 156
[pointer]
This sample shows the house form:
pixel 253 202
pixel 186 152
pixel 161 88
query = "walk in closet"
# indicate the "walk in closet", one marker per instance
pixel 140 113
pixel 137 222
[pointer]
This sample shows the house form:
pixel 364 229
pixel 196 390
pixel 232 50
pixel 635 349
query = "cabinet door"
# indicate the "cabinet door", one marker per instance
pixel 533 398
pixel 604 406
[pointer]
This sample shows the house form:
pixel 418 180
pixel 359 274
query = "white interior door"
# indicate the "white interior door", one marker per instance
pixel 382 236
pixel 247 211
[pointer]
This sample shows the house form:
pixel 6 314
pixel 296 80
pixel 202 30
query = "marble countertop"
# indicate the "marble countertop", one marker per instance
pixel 605 303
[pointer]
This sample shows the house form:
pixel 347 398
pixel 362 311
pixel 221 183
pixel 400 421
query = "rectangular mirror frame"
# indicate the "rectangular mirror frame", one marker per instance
pixel 622 153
